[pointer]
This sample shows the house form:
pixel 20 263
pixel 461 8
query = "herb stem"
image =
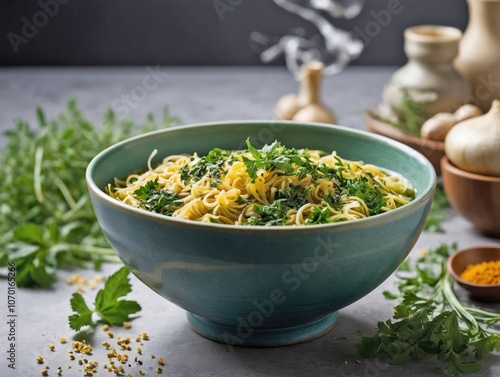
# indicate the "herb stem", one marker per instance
pixel 464 315
pixel 37 175
pixel 75 211
pixel 92 249
pixel 484 315
pixel 64 191
pixel 87 249
pixel 431 322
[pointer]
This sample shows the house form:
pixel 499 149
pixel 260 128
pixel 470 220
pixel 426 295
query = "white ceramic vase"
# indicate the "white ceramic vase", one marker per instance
pixel 429 78
pixel 479 58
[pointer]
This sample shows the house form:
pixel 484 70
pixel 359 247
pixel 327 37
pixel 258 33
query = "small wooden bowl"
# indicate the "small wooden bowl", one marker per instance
pixel 458 261
pixel 432 150
pixel 476 197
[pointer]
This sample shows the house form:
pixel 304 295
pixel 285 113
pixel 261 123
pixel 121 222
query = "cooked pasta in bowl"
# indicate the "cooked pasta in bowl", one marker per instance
pixel 271 186
pixel 263 230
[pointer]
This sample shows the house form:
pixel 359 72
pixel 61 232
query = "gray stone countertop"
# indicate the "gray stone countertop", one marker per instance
pixel 197 95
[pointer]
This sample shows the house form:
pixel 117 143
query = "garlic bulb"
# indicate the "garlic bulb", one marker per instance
pixel 307 106
pixel 314 113
pixel 474 144
pixel 287 106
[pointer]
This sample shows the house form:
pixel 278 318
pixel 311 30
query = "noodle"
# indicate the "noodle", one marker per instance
pixel 271 186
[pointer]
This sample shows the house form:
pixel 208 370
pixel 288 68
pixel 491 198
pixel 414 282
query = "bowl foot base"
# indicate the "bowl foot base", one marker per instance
pixel 247 336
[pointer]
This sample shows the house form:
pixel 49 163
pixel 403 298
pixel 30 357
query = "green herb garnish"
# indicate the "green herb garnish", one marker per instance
pixel 319 215
pixel 46 218
pixel 274 156
pixel 108 305
pixel 157 200
pixel 294 196
pixel 210 164
pixel 361 188
pixel 430 322
pixel 244 199
pixel 273 214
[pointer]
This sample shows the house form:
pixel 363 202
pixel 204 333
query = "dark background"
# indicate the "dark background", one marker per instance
pixel 191 32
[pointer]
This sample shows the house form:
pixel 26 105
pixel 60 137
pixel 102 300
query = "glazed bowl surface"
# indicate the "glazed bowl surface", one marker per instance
pixel 257 285
pixel 474 196
pixel 458 262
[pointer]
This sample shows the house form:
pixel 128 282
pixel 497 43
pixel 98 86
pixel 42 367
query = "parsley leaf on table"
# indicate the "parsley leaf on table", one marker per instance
pixel 429 321
pixel 108 304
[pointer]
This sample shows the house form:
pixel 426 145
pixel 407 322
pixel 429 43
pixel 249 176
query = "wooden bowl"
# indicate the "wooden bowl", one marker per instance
pixel 476 197
pixel 432 150
pixel 458 262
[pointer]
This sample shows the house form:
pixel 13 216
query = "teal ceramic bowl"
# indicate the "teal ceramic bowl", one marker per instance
pixel 260 286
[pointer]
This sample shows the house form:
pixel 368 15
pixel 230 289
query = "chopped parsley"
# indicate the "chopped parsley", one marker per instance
pixel 372 197
pixel 273 214
pixel 294 196
pixel 244 199
pixel 210 165
pixel 157 200
pixel 319 215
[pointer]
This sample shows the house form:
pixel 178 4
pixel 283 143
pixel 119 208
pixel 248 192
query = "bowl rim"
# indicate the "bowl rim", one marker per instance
pixel 455 276
pixel 101 195
pixel 448 165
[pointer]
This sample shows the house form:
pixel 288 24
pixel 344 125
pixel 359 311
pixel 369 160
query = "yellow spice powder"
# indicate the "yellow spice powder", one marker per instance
pixel 482 273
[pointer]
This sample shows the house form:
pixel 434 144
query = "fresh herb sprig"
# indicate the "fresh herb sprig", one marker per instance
pixel 274 156
pixel 430 321
pixel 108 305
pixel 408 117
pixel 46 218
pixel 410 114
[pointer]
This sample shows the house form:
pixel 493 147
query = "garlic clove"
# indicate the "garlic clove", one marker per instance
pixel 437 127
pixel 467 111
pixel 315 113
pixel 474 144
pixel 287 106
